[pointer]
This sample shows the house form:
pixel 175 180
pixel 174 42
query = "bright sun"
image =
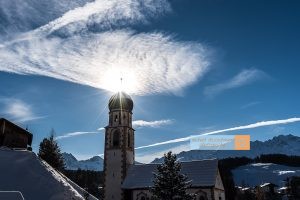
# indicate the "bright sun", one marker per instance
pixel 115 81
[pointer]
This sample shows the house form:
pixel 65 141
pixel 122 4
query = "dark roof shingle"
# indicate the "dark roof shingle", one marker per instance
pixel 202 173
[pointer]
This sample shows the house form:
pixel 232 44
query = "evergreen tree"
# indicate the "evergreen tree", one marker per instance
pixel 169 183
pixel 49 151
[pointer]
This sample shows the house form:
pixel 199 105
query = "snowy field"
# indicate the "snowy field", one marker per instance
pixel 258 173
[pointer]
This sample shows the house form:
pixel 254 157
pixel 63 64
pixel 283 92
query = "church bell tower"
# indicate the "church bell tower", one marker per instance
pixel 119 145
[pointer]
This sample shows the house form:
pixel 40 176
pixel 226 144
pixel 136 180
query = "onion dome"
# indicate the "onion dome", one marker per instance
pixel 120 101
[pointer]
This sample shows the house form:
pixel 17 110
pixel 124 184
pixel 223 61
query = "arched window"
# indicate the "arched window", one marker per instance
pixel 128 140
pixel 142 196
pixel 116 138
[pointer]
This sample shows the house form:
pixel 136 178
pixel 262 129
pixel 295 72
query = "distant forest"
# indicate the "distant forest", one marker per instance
pixel 92 181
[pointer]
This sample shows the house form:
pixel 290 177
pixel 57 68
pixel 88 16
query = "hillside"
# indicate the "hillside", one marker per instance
pixel 258 173
pixel 23 171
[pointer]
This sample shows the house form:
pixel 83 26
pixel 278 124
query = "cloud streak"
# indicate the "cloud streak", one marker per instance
pixel 155 61
pixel 18 110
pixel 73 134
pixel 250 126
pixel 152 124
pixel 245 77
pixel 87 43
pixel 105 14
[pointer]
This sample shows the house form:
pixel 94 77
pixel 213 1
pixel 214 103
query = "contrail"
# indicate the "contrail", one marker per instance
pixel 67 135
pixel 250 126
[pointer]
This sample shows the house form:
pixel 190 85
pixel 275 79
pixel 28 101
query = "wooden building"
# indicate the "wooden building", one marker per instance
pixel 13 136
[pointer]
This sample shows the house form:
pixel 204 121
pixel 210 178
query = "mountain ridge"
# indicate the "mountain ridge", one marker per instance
pixel 94 163
pixel 281 144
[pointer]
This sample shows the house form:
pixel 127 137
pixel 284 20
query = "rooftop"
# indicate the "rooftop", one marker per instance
pixel 202 173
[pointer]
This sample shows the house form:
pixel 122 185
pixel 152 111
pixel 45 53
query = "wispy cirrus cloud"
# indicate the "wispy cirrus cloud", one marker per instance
pixel 73 134
pixel 152 124
pixel 106 14
pixel 18 110
pixel 251 104
pixel 245 77
pixel 87 43
pixel 250 126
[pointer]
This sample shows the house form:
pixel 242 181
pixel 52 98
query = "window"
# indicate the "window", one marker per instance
pixel 116 138
pixel 128 140
pixel 141 196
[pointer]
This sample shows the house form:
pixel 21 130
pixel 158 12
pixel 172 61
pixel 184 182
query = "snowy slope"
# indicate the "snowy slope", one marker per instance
pixel 258 173
pixel 23 171
pixel 282 144
pixel 95 163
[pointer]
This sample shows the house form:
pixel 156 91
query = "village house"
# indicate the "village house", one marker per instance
pixel 13 136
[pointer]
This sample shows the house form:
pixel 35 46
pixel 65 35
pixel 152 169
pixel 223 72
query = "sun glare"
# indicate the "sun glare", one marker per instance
pixel 117 80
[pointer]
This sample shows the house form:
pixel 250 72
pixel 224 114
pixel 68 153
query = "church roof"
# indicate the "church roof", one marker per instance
pixel 202 173
pixel 120 101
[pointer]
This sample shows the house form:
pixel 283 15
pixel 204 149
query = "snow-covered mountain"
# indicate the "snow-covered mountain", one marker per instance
pixel 258 173
pixel 95 163
pixel 24 176
pixel 282 144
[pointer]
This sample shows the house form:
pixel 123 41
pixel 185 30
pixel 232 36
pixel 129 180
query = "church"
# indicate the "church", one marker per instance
pixel 125 180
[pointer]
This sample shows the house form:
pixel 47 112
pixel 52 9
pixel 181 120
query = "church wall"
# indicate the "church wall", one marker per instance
pixel 113 174
pixel 219 183
pixel 205 192
pixel 219 194
pixel 130 157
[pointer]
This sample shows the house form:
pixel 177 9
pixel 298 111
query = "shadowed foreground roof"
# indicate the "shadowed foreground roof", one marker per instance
pixel 202 173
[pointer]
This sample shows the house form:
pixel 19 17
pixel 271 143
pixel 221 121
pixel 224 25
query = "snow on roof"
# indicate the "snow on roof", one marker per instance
pixel 23 171
pixel 283 188
pixel 202 173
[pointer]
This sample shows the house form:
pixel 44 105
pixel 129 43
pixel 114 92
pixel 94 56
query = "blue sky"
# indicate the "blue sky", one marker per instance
pixel 197 66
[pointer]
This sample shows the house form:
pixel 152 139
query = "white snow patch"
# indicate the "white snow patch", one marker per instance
pixel 284 172
pixel 258 173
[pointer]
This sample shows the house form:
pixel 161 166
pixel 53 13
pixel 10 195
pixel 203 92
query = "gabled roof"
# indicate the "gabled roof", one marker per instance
pixel 20 130
pixel 202 173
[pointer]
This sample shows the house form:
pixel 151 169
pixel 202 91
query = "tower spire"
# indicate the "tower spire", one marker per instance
pixel 121 81
pixel 119 145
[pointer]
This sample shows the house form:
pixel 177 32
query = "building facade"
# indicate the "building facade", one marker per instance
pixel 124 180
pixel 13 136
